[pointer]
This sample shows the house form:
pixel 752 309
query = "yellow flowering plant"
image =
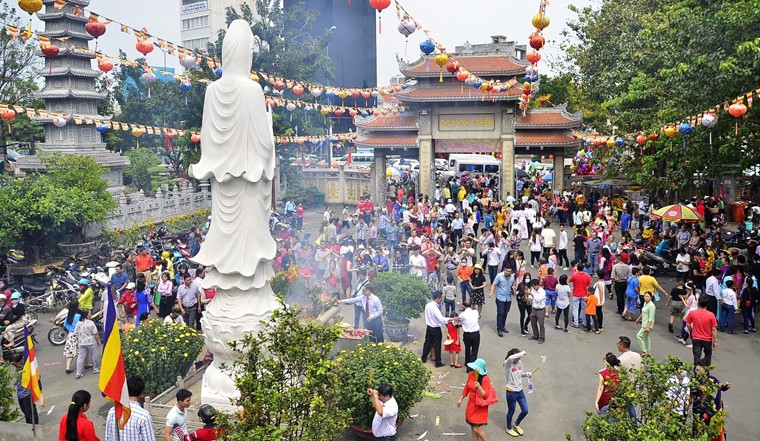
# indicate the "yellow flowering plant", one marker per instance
pixel 372 364
pixel 131 236
pixel 158 353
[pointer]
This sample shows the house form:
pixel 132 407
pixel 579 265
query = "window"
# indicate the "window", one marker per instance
pixel 492 168
pixel 472 168
pixel 195 22
pixel 197 43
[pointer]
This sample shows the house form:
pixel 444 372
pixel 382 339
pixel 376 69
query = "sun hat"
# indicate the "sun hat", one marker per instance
pixel 478 365
pixel 478 266
pixel 131 285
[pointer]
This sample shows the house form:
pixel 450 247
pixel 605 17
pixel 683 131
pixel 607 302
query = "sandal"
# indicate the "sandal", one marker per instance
pixel 457 366
pixel 558 327
pixel 597 332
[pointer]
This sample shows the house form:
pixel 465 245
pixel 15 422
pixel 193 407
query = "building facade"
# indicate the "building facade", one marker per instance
pixel 452 117
pixel 201 20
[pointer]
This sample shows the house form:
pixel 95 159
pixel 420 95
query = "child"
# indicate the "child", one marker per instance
pixel 453 348
pixel 587 268
pixel 550 286
pixel 450 295
pixel 128 300
pixel 591 302
pixel 129 325
pixel 573 267
pixel 542 270
pixel 553 262
pixel 599 293
pixel 563 301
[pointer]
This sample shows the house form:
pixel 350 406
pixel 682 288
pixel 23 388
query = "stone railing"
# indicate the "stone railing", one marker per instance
pixel 339 185
pixel 139 209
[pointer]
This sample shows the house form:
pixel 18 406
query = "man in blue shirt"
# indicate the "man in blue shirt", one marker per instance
pixel 119 280
pixel 631 294
pixel 502 286
pixel 380 261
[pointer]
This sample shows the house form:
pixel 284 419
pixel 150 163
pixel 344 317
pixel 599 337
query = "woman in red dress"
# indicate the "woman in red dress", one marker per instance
pixel 609 378
pixel 477 383
pixel 455 347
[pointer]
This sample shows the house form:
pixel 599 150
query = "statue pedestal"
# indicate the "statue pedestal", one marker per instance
pixel 229 317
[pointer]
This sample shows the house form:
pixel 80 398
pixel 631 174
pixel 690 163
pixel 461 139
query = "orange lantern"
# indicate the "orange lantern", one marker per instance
pixel 379 5
pixel 533 57
pixel 737 110
pixel 144 47
pixel 641 139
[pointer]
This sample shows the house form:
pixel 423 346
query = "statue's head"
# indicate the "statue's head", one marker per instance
pixel 237 49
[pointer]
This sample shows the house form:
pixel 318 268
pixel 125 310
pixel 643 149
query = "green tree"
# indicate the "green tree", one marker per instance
pixel 651 391
pixel 644 63
pixel 288 382
pixel 143 170
pixel 8 394
pixel 44 209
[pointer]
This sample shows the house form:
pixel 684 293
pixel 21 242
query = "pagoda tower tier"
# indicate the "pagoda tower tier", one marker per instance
pixel 70 88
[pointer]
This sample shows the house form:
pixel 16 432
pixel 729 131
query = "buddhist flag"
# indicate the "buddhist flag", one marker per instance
pixel 94 17
pixel 12 31
pixel 124 28
pixel 59 4
pixel 30 376
pixel 113 378
pixel 77 11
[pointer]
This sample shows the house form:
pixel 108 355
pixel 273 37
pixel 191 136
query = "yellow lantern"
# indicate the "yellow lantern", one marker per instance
pixel 540 21
pixel 30 6
pixel 671 131
pixel 255 77
pixel 441 60
pixel 324 110
pixel 137 133
pixel 610 142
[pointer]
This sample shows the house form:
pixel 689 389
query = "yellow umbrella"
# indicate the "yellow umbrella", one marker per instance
pixel 677 213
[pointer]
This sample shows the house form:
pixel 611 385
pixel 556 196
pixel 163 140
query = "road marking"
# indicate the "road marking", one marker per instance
pixel 57 363
pixel 51 409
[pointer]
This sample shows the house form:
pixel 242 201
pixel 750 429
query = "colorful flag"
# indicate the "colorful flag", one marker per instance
pixel 124 28
pixel 30 376
pixel 94 17
pixel 113 378
pixel 77 11
pixel 59 4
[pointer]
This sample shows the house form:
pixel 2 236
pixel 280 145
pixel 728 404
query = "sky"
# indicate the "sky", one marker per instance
pixel 452 22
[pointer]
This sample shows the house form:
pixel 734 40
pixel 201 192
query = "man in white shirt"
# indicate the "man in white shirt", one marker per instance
pixel 417 263
pixel 178 415
pixel 470 333
pixel 386 412
pixel 712 290
pixel 628 358
pixel 468 252
pixel 549 236
pixel 373 311
pixel 457 229
pixel 433 335
pixel 174 317
pixel 537 298
pixel 728 305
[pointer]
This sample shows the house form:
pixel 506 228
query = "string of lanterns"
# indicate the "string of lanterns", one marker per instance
pixel 536 41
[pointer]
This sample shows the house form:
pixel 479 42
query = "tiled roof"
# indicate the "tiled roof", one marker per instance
pixel 482 65
pixel 550 118
pixel 447 91
pixel 407 121
pixel 387 140
pixel 545 138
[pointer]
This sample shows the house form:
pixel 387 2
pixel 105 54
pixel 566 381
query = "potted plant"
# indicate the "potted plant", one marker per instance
pixel 403 298
pixel 372 364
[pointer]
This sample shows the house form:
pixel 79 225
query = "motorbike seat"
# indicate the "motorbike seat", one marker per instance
pixel 34 289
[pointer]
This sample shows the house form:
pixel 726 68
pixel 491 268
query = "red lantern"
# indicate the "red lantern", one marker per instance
pixel 543 100
pixel 298 89
pixel 397 89
pixel 598 142
pixel 353 112
pixel 366 95
pixel 355 94
pixel 737 110
pixel 376 113
pixel 195 138
pixel 105 66
pixel 50 50
pixel 533 57
pixel 339 111
pixel 8 114
pixel 537 41
pixel 654 137
pixel 144 47
pixel 95 28
pixel 379 5
pixel 453 66
pixel 462 75
pixel 279 85
pixel 641 139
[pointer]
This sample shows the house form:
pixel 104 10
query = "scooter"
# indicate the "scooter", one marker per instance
pixel 58 334
pixel 18 338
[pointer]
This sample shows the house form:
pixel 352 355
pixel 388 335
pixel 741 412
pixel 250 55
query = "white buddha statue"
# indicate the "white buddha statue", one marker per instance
pixel 238 158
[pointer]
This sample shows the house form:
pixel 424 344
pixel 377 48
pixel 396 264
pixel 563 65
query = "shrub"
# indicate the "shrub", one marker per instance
pixel 289 386
pixel 158 353
pixel 403 297
pixel 371 364
pixel 131 236
pixel 8 395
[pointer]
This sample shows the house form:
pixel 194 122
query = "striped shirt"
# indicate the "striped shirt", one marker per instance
pixel 138 428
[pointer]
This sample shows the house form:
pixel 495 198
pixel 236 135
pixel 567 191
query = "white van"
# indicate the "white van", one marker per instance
pixel 360 159
pixel 475 164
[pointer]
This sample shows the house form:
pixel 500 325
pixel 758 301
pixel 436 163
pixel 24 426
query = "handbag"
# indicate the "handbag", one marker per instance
pixel 333 280
pixel 489 400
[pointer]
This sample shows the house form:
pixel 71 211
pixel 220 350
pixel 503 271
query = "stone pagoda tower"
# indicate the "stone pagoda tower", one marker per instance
pixel 70 89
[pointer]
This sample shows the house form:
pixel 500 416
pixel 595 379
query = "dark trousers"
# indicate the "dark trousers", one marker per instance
pixel 492 271
pixel 535 256
pixel 471 342
pixel 166 305
pixel 712 305
pixel 565 312
pixel 451 306
pixel 376 326
pixel 386 438
pixel 524 316
pixel 620 295
pixel 29 410
pixel 466 289
pixel 600 316
pixel 562 256
pixel 589 319
pixel 191 312
pixel 502 309
pixel 698 346
pixel 433 338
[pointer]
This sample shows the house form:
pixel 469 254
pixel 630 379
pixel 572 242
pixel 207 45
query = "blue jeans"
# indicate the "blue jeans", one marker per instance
pixel 593 260
pixel 579 311
pixel 551 298
pixel 451 306
pixel 466 289
pixel 631 304
pixel 580 256
pixel 514 398
pixel 727 318
pixel 502 309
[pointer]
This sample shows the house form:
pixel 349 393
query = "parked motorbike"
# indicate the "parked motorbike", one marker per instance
pixel 58 334
pixel 656 263
pixel 18 338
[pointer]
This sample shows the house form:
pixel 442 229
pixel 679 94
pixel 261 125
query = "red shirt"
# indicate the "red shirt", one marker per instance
pixel 580 281
pixel 702 323
pixel 143 262
pixel 85 429
pixel 610 382
pixel 550 283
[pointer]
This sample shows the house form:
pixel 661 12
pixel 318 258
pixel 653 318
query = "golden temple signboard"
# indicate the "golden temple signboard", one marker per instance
pixel 465 123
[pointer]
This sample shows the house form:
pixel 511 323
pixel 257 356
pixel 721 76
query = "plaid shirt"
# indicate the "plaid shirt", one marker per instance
pixel 138 428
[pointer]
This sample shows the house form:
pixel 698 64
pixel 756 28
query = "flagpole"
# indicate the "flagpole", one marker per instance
pixel 115 421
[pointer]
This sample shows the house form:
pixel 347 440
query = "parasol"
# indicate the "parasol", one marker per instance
pixel 677 213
